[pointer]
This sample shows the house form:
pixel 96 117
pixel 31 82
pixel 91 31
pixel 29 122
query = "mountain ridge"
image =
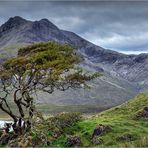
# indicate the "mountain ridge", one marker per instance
pixel 124 75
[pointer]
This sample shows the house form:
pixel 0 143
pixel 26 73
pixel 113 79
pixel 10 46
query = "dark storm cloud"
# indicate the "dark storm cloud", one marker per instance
pixel 114 25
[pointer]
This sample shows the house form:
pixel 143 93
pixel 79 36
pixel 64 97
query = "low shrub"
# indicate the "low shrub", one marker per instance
pixel 126 137
pixel 63 120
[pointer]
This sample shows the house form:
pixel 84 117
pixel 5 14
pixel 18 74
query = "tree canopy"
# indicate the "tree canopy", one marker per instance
pixel 40 67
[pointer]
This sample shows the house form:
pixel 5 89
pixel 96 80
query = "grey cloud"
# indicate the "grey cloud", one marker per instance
pixel 114 25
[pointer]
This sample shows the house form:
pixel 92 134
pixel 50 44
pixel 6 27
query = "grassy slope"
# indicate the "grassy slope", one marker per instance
pixel 121 121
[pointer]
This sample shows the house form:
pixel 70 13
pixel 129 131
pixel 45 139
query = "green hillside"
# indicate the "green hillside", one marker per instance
pixel 125 126
pixel 126 129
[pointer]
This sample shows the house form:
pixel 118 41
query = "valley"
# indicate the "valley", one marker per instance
pixel 124 76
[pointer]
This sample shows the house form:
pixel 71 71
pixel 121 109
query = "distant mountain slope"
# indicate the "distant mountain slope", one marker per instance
pixel 104 91
pixel 124 75
pixel 133 68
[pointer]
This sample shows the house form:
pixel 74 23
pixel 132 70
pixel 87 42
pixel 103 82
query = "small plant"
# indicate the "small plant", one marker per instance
pixel 126 137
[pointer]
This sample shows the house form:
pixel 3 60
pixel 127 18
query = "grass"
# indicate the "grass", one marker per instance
pixel 47 109
pixel 122 122
pixel 54 109
pixel 121 119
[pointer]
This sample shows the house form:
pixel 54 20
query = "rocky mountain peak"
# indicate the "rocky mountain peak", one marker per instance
pixel 12 23
pixel 45 22
pixel 16 19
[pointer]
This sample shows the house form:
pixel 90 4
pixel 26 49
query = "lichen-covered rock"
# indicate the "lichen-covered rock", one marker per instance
pixel 145 108
pixel 100 129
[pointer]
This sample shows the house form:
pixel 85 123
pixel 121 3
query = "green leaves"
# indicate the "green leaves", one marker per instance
pixel 42 67
pixel 46 65
pixel 80 76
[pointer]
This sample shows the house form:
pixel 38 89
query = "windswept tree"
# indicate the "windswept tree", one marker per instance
pixel 45 67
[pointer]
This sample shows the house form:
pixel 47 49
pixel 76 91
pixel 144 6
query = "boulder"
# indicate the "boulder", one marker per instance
pixel 100 129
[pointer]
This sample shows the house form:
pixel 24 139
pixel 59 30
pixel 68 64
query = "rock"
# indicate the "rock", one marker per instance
pixel 145 114
pixel 100 129
pixel 73 141
pixel 96 140
pixel 146 108
pixel 97 131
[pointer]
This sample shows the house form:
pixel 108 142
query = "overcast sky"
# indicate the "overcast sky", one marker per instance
pixel 121 26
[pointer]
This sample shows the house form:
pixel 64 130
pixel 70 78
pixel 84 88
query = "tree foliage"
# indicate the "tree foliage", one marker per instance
pixel 41 67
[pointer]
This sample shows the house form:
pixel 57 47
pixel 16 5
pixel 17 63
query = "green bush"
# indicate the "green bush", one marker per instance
pixel 126 137
pixel 63 120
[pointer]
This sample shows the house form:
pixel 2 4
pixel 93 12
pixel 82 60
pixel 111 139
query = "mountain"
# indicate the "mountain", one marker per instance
pixel 17 31
pixel 124 75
